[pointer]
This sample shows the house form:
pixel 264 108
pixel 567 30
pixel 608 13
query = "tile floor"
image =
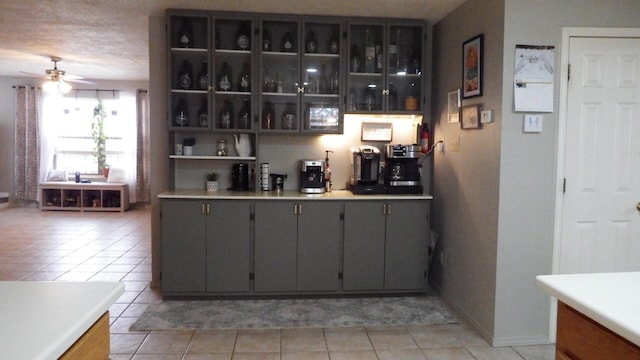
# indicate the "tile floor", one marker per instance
pixel 70 246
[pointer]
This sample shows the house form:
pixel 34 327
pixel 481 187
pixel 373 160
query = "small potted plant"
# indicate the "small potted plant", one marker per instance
pixel 187 146
pixel 212 181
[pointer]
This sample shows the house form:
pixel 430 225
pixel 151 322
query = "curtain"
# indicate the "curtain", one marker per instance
pixel 143 158
pixel 27 143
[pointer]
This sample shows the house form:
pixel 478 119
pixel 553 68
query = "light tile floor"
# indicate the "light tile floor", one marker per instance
pixel 71 246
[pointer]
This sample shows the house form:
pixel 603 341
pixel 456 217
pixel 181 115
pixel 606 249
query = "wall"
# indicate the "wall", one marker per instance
pixel 502 184
pixel 7 118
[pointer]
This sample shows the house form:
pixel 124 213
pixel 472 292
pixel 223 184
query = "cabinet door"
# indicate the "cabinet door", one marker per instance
pixel 319 236
pixel 228 246
pixel 406 246
pixel 365 80
pixel 275 246
pixel 183 246
pixel 404 82
pixel 364 245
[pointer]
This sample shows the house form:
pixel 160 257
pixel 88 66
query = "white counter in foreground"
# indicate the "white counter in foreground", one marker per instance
pixel 41 320
pixel 611 299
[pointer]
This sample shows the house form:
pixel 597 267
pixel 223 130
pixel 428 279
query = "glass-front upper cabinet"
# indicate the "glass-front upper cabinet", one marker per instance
pixel 385 68
pixel 188 41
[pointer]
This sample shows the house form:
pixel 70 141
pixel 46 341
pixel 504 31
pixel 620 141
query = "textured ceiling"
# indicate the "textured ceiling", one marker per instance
pixel 108 39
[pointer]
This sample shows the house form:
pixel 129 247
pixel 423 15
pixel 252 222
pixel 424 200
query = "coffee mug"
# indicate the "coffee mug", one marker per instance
pixel 178 149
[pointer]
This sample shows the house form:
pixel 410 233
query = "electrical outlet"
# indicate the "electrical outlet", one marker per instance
pixel 486 116
pixel 440 146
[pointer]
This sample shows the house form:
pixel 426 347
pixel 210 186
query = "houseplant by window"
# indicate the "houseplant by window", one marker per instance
pixel 99 138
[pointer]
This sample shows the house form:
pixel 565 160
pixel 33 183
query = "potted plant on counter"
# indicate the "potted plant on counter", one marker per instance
pixel 212 181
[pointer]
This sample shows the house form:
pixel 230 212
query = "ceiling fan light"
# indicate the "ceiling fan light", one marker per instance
pixel 50 87
pixel 64 86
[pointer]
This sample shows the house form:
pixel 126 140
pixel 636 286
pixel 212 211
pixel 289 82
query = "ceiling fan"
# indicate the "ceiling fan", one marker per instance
pixel 56 80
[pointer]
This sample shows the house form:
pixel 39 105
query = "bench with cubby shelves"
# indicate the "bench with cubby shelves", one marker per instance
pixel 94 196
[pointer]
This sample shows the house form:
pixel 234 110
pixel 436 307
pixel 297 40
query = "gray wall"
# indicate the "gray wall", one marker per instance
pixel 513 241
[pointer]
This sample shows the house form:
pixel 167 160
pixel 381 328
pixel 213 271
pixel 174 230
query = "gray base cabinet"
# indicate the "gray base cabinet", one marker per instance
pixel 297 246
pixel 385 245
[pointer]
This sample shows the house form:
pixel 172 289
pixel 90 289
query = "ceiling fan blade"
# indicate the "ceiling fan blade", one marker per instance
pixel 79 81
pixel 31 74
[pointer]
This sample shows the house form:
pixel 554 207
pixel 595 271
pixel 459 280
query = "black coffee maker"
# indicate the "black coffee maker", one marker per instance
pixel 240 177
pixel 402 172
pixel 365 167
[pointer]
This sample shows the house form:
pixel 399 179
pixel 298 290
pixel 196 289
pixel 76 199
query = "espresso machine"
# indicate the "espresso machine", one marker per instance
pixel 402 172
pixel 312 177
pixel 365 167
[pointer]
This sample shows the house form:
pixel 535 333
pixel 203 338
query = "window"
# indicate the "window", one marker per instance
pixel 73 146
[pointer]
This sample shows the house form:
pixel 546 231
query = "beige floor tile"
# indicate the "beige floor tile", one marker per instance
pixel 121 325
pixel 437 336
pixel 537 352
pixel 126 343
pixel 256 356
pixel 169 342
pixel 339 339
pixel 491 353
pixel 264 341
pixel 391 338
pixel 157 357
pixel 455 353
pixel 400 354
pixel 353 355
pixel 213 341
pixel 294 340
pixel 305 355
pixel 207 356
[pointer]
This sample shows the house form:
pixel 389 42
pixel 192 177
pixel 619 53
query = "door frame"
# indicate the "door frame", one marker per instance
pixel 567 34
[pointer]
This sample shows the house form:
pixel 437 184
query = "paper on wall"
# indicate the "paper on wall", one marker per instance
pixel 533 78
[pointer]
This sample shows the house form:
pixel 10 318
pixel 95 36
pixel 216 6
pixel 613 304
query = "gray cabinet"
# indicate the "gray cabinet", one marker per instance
pixel 297 246
pixel 385 245
pixel 206 246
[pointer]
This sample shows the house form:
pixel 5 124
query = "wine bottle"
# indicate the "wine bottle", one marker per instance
pixel 203 114
pixel 334 44
pixel 311 43
pixel 185 34
pixel 266 40
pixel 288 120
pixel 185 75
pixel 182 113
pixel 335 80
pixel 243 37
pixel 369 52
pixel 287 42
pixel 225 120
pixel 245 78
pixel 268 116
pixel 224 77
pixel 203 77
pixel 244 115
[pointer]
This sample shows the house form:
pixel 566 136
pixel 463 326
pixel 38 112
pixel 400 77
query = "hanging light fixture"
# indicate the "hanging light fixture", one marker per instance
pixel 54 81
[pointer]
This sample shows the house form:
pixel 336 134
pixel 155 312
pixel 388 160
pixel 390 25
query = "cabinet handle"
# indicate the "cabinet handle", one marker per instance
pixel 295 209
pixel 299 209
pixel 208 208
pixel 384 209
pixel 203 209
pixel 388 209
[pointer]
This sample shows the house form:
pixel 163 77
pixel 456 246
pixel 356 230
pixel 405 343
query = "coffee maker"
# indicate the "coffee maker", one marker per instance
pixel 402 170
pixel 365 167
pixel 312 176
pixel 240 177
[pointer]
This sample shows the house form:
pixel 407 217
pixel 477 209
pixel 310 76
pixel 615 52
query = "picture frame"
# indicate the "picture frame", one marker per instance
pixel 470 117
pixel 453 106
pixel 377 131
pixel 472 63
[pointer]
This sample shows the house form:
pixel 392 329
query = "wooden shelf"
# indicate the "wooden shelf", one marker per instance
pixel 96 196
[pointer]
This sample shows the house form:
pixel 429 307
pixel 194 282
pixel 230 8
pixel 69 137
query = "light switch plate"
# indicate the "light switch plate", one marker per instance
pixel 486 116
pixel 532 123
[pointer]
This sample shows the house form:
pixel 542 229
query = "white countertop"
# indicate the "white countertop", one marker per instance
pixel 285 195
pixel 42 319
pixel 611 299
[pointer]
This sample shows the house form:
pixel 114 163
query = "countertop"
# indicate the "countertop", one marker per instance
pixel 285 195
pixel 611 299
pixel 42 319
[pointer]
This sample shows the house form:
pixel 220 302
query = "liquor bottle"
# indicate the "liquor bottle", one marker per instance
pixel 245 78
pixel 224 77
pixel 243 36
pixel 355 59
pixel 203 76
pixel 185 75
pixel 185 34
pixel 203 114
pixel 244 115
pixel 411 101
pixel 288 120
pixel 225 120
pixel 334 44
pixel 266 40
pixel 268 116
pixel 369 52
pixel 287 42
pixel 182 113
pixel 311 43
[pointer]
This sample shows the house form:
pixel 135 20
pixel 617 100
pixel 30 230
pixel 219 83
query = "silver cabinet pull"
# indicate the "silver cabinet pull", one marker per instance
pixel 638 206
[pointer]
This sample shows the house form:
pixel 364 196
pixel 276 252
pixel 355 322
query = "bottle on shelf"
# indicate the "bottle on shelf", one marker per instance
pixel 394 63
pixel 327 172
pixel 266 40
pixel 244 115
pixel 334 86
pixel 224 77
pixel 369 98
pixel 225 120
pixel 353 100
pixel 379 57
pixel 311 43
pixel 369 52
pixel 182 113
pixel 185 75
pixel 185 34
pixel 355 59
pixel 243 36
pixel 245 78
pixel 203 114
pixel 334 43
pixel 411 101
pixel 203 76
pixel 288 120
pixel 268 116
pixel 287 42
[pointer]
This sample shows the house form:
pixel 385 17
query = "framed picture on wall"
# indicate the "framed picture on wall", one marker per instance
pixel 470 117
pixel 453 102
pixel 472 67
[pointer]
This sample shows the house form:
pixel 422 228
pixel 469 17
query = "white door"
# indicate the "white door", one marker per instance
pixel 600 221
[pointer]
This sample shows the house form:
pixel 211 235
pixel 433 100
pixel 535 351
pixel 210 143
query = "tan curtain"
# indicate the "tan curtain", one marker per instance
pixel 27 143
pixel 143 181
